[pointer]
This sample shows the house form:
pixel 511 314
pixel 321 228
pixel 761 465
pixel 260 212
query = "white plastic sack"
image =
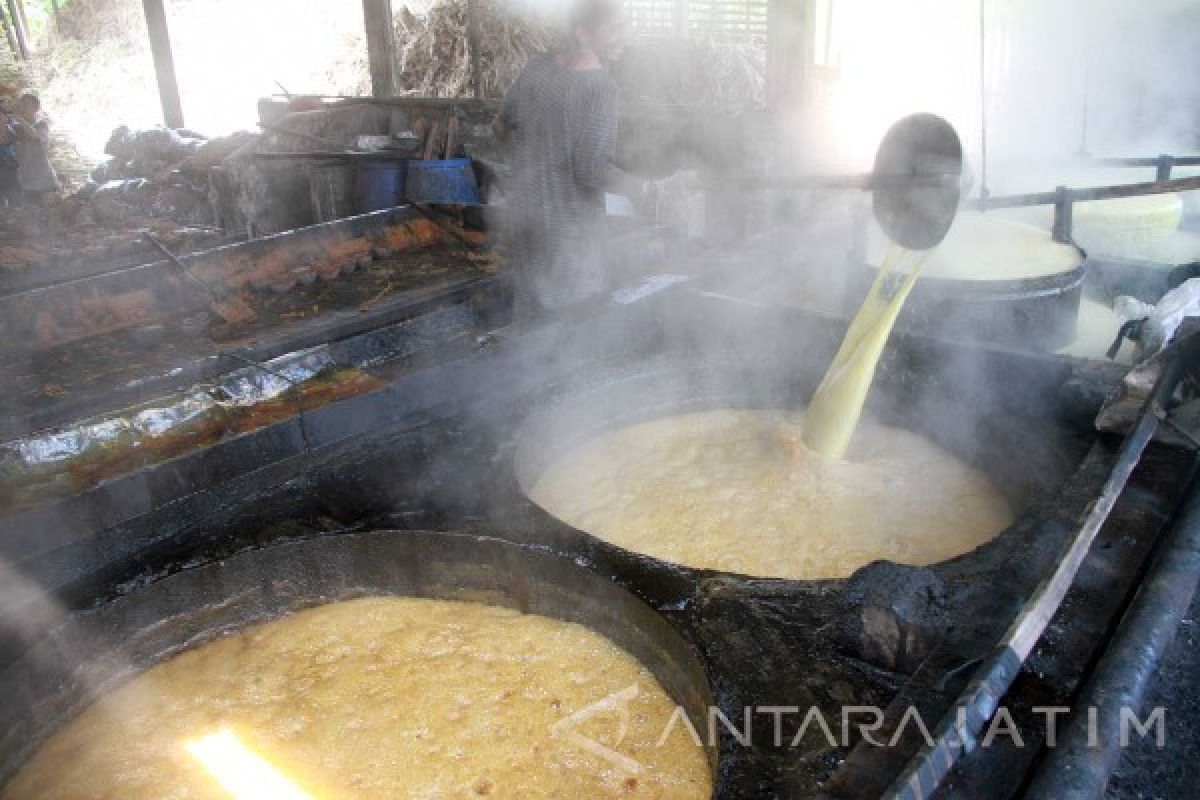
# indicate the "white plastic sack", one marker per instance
pixel 1163 319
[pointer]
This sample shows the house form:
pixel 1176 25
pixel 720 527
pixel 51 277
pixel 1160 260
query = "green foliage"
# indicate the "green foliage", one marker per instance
pixel 40 15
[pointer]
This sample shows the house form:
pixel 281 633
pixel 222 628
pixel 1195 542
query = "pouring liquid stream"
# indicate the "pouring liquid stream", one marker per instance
pixel 779 494
pixel 836 408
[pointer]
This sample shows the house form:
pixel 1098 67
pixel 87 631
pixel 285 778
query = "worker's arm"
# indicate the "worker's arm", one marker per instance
pixel 596 144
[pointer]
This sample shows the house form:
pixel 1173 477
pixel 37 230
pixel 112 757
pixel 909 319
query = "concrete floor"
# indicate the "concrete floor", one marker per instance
pixel 1147 773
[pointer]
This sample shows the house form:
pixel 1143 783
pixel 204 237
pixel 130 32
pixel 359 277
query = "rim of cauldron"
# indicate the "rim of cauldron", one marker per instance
pixel 638 571
pixel 1057 283
pixel 157 621
pixel 659 580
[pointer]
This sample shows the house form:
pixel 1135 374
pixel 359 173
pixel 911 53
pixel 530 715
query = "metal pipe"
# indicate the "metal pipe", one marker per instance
pixel 868 181
pixel 174 259
pixel 1179 161
pixel 865 181
pixel 1081 764
pixel 959 730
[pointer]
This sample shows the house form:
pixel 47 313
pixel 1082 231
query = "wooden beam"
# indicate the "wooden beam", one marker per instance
pixel 791 46
pixel 19 29
pixel 381 46
pixel 164 62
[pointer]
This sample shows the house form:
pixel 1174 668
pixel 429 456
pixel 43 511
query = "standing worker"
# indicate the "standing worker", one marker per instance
pixel 31 132
pixel 561 117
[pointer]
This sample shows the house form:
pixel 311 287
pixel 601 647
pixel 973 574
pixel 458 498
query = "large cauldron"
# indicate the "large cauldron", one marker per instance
pixel 964 403
pixel 86 653
pixel 1034 313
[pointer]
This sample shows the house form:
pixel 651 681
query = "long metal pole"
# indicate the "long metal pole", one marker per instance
pixel 958 731
pixel 1080 765
pixel 1082 195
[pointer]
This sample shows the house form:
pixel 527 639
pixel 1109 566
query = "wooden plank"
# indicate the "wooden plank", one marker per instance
pixel 18 29
pixel 164 62
pixel 381 46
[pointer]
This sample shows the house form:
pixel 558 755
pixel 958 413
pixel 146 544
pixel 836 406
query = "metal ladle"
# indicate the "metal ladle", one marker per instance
pixel 917 181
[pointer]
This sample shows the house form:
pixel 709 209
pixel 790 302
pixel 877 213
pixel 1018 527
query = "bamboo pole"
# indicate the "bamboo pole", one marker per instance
pixel 18 29
pixel 12 38
pixel 29 49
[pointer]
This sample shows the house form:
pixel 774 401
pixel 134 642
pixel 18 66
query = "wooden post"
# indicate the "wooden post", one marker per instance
pixel 18 29
pixel 12 38
pixel 791 46
pixel 381 46
pixel 164 62
pixel 473 53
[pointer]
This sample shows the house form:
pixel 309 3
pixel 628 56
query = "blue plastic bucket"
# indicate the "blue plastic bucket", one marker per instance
pixel 449 181
pixel 379 185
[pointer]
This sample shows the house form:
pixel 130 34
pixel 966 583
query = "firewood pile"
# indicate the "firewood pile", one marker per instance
pixel 158 173
pixel 155 181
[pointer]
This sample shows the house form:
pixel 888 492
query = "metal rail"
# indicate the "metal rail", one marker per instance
pixel 865 181
pixel 1084 195
pixel 1080 766
pixel 1063 199
pixel 958 732
pixel 1163 164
